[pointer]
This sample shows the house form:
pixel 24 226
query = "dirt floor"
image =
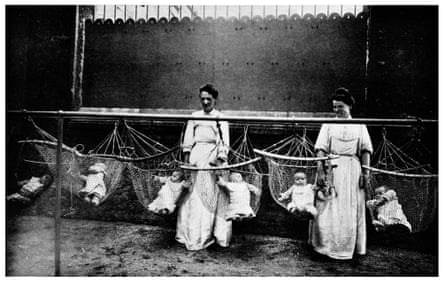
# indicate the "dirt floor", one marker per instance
pixel 95 248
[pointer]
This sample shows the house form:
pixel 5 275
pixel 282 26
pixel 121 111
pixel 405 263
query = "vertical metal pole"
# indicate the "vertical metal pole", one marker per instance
pixel 58 192
pixel 74 97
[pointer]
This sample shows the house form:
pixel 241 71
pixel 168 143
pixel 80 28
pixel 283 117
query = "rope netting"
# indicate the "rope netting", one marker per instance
pixel 151 169
pixel 146 173
pixel 414 184
pixel 285 158
pixel 81 173
pixel 30 162
pixel 128 143
pixel 241 152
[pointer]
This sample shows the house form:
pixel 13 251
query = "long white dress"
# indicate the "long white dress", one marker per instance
pixel 201 216
pixel 339 230
pixel 167 196
pixel 391 212
pixel 239 201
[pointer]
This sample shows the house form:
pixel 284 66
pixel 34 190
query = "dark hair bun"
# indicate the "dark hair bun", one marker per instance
pixel 209 88
pixel 342 94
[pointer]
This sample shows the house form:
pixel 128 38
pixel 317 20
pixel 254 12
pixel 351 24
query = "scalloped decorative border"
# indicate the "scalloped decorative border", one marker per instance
pixel 234 20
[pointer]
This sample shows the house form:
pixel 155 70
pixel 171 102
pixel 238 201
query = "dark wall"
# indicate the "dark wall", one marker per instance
pixel 403 61
pixel 260 64
pixel 403 72
pixel 39 49
pixel 292 65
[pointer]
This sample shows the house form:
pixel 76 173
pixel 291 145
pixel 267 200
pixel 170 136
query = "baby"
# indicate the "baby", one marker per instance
pixel 386 210
pixel 94 190
pixel 30 189
pixel 302 196
pixel 172 187
pixel 239 196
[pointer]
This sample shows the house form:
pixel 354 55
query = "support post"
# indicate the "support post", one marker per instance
pixel 83 13
pixel 58 193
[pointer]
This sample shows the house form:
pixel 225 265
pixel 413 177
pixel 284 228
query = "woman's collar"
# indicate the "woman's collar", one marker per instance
pixel 213 112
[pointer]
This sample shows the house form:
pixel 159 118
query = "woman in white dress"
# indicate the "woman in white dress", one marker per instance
pixel 201 216
pixel 339 230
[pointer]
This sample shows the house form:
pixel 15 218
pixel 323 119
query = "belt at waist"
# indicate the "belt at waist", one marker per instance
pixel 347 155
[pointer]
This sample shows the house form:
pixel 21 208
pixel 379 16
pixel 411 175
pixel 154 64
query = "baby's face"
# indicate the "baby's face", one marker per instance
pixel 176 176
pixel 300 179
pixel 45 180
pixel 379 192
pixel 236 178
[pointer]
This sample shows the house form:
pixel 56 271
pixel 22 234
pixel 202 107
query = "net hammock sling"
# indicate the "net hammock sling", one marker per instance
pixel 286 157
pixel 415 185
pixel 76 164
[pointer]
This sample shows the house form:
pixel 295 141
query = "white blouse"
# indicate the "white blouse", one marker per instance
pixel 205 131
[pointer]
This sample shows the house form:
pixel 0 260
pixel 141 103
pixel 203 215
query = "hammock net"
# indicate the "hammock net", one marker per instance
pixel 285 158
pixel 149 160
pixel 241 152
pixel 414 183
pixel 74 163
pixel 30 163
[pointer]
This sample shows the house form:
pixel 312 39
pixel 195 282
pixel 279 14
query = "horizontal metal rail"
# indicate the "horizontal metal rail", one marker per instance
pixel 245 119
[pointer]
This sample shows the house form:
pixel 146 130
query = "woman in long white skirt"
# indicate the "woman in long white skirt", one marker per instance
pixel 201 216
pixel 339 230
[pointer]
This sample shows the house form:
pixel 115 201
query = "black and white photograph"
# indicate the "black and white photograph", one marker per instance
pixel 225 139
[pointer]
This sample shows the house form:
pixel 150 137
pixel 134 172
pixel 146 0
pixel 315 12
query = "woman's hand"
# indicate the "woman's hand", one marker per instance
pixel 321 176
pixel 365 180
pixel 186 157
pixel 321 173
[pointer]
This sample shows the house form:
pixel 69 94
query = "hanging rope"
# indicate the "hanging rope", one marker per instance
pixel 285 158
pixel 412 182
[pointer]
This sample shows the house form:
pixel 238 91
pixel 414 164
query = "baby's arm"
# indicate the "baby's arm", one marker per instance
pixel 22 183
pixel 162 179
pixel 186 184
pixel 159 179
pixel 286 194
pixel 221 182
pixel 253 189
pixel 83 178
pixel 380 202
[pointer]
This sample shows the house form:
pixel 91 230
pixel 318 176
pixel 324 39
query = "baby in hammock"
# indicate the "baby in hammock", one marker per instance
pixel 172 187
pixel 301 195
pixel 30 189
pixel 94 190
pixel 386 210
pixel 239 196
